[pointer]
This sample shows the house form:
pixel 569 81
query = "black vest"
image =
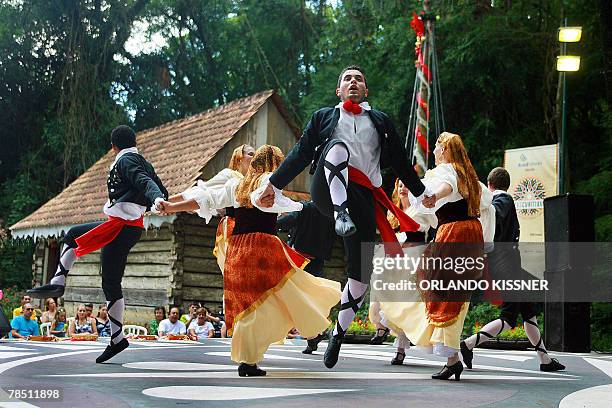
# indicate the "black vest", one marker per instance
pixel 133 179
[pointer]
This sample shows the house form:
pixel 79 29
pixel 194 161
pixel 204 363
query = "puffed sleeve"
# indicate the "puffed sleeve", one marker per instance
pixel 443 174
pixel 219 179
pixel 282 203
pixel 211 199
pixel 487 217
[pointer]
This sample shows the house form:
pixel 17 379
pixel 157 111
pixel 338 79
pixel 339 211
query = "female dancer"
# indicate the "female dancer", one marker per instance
pixel 407 239
pixel 266 291
pixel 237 168
pixel 466 220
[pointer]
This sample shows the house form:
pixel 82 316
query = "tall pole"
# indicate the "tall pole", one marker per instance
pixel 562 140
pixel 423 73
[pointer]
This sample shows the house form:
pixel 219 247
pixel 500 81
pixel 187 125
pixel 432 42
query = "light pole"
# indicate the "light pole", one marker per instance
pixel 565 63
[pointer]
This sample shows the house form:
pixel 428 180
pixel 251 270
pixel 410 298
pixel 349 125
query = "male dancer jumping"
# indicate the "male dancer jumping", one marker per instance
pixel 133 187
pixel 506 263
pixel 348 145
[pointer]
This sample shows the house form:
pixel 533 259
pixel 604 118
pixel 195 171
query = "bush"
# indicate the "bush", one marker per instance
pixel 359 326
pixel 482 313
pixel 479 315
pixel 16 263
pixel 11 300
pixel 601 326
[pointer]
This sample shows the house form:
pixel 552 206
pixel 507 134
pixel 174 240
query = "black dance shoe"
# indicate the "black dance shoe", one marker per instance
pixel 112 350
pixel 399 358
pixel 344 225
pixel 47 291
pixel 447 372
pixel 333 349
pixel 313 344
pixel 554 365
pixel 467 354
pixel 248 370
pixel 379 339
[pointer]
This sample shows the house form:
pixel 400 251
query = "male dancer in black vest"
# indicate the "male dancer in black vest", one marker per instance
pixel 133 187
pixel 506 263
pixel 348 145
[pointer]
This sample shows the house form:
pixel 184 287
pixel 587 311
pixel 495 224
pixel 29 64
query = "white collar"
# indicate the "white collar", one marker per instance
pixel 364 105
pixel 496 192
pixel 122 152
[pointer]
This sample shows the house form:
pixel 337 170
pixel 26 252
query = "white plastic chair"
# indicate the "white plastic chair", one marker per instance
pixel 45 329
pixel 134 330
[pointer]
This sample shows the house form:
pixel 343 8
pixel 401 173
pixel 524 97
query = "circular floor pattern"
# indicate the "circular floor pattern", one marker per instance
pixel 594 397
pixel 211 393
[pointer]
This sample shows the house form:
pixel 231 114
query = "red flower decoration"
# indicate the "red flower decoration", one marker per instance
pixel 417 25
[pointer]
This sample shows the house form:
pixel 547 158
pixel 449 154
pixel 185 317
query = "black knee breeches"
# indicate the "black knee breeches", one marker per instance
pixel 114 257
pixel 361 211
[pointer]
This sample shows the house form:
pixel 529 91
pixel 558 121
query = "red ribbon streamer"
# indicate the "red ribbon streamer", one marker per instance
pixel 103 234
pixel 382 202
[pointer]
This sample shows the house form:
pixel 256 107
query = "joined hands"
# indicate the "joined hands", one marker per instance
pixel 429 201
pixel 266 199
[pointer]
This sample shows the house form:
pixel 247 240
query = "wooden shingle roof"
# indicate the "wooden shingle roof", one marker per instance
pixel 178 150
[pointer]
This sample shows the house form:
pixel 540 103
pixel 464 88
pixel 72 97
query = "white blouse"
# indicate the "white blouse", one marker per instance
pixel 210 199
pixel 445 173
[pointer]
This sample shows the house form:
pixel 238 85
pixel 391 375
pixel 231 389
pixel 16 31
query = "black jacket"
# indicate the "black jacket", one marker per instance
pixel 505 260
pixel 133 179
pixel 320 129
pixel 507 227
pixel 309 231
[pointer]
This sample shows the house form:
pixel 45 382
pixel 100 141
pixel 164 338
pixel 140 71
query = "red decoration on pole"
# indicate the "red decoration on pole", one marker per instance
pixel 417 25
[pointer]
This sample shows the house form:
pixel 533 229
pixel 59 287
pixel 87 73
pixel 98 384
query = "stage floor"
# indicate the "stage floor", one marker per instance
pixel 170 374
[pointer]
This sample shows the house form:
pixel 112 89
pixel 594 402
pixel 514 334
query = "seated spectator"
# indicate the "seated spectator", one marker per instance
pixel 82 324
pixel 294 334
pixel 18 310
pixel 201 328
pixel 58 325
pixel 160 314
pixel 50 310
pixel 172 325
pixel 23 326
pixel 103 322
pixel 217 321
pixel 193 309
pixel 89 309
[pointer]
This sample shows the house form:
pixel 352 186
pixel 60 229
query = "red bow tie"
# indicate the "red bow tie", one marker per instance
pixel 352 107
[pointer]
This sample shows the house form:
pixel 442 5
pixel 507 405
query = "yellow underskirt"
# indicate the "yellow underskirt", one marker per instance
pixel 302 301
pixel 411 318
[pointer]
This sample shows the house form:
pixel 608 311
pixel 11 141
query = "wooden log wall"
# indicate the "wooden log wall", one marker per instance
pixel 202 280
pixel 149 278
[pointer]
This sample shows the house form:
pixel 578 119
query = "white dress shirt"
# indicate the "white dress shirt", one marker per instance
pixel 362 140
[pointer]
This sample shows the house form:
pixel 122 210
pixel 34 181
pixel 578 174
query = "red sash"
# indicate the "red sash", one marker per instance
pixel 382 203
pixel 103 234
